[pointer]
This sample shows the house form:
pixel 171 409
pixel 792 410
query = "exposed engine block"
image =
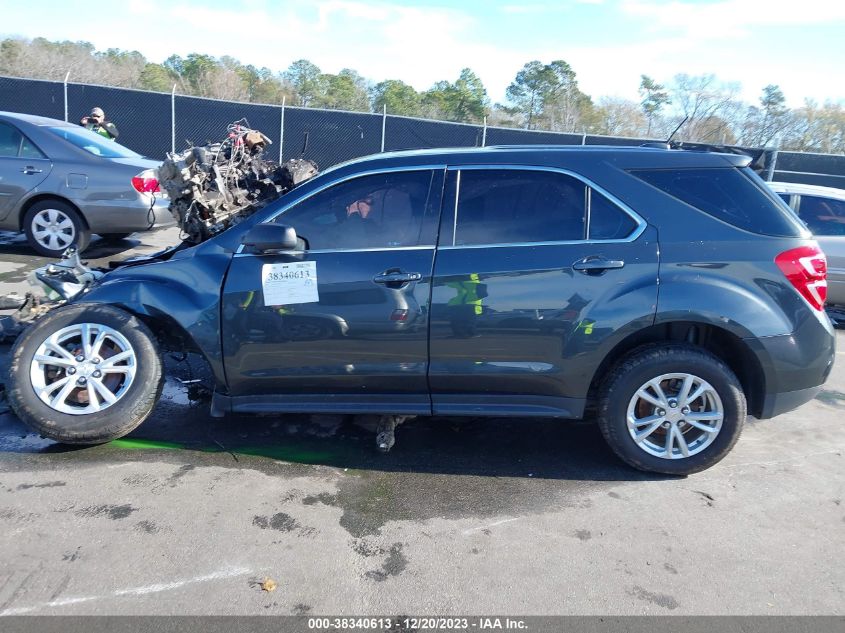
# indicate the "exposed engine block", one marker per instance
pixel 214 186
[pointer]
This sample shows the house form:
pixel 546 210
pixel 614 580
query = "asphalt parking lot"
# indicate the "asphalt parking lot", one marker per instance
pixel 192 515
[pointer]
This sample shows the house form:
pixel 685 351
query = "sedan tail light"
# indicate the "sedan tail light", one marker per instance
pixel 806 269
pixel 146 182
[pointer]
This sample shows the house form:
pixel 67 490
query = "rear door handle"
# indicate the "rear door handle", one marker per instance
pixel 396 277
pixel 594 264
pixel 29 169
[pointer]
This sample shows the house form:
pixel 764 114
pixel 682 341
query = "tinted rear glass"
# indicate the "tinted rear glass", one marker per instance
pixel 734 195
pixel 510 206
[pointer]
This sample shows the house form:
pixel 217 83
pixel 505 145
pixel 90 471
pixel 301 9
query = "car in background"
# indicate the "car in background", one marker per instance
pixel 59 183
pixel 822 209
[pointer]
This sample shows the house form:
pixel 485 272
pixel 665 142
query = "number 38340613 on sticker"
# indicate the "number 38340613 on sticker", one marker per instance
pixel 286 284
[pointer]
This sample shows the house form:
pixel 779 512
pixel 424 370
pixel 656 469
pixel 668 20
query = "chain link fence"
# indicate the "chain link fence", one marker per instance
pixel 154 123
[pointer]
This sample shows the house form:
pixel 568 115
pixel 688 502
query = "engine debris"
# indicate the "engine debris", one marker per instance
pixel 214 186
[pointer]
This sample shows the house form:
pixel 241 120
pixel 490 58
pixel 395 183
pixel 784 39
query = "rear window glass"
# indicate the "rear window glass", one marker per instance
pixel 93 143
pixel 734 195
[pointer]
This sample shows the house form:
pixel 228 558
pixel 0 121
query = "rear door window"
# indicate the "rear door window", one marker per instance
pixel 734 195
pixel 522 206
pixel 823 216
pixel 13 144
pixel 10 141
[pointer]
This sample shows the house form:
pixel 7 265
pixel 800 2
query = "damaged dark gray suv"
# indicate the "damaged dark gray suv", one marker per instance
pixel 670 292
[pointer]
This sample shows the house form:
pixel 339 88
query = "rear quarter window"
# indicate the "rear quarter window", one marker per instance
pixel 734 195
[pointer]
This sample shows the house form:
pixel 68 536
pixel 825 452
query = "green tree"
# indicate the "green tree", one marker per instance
pixel 565 107
pixel 654 97
pixel 775 113
pixel 549 94
pixel 397 96
pixel 530 89
pixel 467 98
pixel 464 101
pixel 263 86
pixel 198 70
pixel 306 80
pixel 345 91
pixel 12 56
pixel 156 77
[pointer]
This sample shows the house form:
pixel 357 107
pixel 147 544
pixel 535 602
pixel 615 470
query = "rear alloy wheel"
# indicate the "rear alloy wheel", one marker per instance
pixel 673 409
pixel 85 374
pixel 52 226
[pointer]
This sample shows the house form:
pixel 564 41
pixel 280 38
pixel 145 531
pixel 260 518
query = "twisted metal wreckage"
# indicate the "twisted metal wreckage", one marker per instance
pixel 210 187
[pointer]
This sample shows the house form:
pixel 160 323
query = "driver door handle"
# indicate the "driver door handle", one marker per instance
pixel 396 277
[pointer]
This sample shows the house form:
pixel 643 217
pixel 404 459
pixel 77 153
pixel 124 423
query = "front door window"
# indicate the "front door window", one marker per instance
pixel 384 210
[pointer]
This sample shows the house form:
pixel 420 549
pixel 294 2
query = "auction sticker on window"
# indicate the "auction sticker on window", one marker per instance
pixel 285 284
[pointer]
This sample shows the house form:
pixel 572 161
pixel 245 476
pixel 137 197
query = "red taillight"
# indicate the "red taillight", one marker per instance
pixel 806 269
pixel 146 182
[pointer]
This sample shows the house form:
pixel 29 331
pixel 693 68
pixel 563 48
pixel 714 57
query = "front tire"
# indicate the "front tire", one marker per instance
pixel 51 226
pixel 85 374
pixel 673 409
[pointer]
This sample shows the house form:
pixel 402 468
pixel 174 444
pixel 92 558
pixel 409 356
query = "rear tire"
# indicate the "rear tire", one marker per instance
pixel 672 408
pixel 51 226
pixel 71 391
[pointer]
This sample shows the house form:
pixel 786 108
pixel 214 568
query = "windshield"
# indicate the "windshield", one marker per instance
pixel 93 143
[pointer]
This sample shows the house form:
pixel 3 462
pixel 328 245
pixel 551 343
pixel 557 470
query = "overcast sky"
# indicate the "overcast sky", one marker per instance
pixel 796 44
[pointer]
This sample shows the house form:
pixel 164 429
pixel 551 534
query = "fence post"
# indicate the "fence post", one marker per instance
pixel 282 130
pixel 66 78
pixel 383 125
pixel 484 134
pixel 173 120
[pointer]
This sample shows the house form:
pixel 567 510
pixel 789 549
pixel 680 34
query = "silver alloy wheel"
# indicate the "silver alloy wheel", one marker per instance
pixel 53 229
pixel 675 416
pixel 83 368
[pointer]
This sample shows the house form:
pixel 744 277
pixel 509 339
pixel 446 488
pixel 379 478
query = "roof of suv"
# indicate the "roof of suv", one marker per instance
pixel 550 155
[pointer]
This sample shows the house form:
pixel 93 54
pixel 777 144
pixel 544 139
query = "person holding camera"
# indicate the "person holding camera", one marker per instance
pixel 96 122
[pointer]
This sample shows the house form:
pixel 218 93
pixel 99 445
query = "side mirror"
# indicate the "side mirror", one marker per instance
pixel 271 237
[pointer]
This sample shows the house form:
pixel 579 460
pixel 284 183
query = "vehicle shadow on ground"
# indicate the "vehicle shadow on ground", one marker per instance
pixel 481 447
pixel 16 244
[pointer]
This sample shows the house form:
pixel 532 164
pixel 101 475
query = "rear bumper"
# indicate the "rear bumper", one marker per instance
pixel 777 403
pixel 119 216
pixel 795 366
